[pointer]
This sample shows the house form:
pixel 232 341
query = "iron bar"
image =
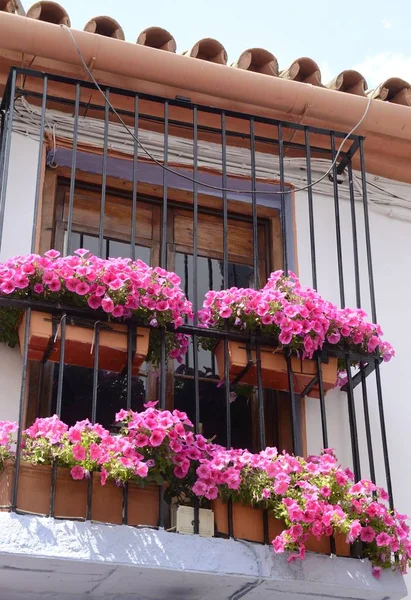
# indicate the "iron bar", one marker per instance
pixel 283 209
pixel 104 175
pixel 254 205
pixel 374 318
pixel 59 402
pixel 73 168
pixel 353 421
pixel 337 223
pixel 8 115
pixel 14 496
pixel 310 206
pixel 135 182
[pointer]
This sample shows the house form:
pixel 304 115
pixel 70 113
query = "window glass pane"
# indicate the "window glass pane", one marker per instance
pixel 113 249
pixel 112 394
pixel 212 394
pixel 122 250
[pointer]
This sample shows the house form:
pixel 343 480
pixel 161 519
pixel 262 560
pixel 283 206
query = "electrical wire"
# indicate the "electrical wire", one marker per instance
pixel 187 177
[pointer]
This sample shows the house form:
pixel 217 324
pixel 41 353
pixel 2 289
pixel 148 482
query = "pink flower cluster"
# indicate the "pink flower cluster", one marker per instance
pixel 120 287
pixel 296 316
pixel 164 434
pixel 313 497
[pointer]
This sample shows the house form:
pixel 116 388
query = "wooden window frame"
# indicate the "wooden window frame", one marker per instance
pixel 52 226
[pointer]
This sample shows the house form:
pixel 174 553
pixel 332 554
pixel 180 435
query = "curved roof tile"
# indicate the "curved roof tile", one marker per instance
pixel 210 50
pixel 52 12
pixel 8 6
pixel 105 26
pixel 156 37
pixel 305 70
pixel 394 90
pixel 349 81
pixel 257 60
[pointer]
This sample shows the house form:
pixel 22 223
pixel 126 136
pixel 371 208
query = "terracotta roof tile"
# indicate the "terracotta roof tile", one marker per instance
pixel 259 60
pixel 105 26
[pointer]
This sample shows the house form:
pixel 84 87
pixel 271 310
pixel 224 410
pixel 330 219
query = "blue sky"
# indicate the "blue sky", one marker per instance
pixel 370 36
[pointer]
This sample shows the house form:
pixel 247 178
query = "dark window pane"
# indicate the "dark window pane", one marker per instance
pixel 112 394
pixel 122 250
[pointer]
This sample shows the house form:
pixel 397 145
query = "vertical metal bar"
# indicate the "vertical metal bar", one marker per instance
pixel 163 261
pixel 27 319
pixel 104 176
pixel 295 413
pixel 59 402
pixel 225 284
pixel 261 414
pixel 73 167
pixel 254 205
pixel 225 202
pixel 134 192
pixel 358 301
pixel 367 425
pixel 283 211
pixel 353 421
pixel 337 222
pixel 354 235
pixel 8 130
pixel 324 427
pixel 39 166
pixel 93 411
pixel 374 317
pixel 195 301
pixel 131 345
pixel 261 426
pixel 310 206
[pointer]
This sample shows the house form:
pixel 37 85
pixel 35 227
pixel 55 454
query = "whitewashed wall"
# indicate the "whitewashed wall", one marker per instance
pixel 391 251
pixel 18 224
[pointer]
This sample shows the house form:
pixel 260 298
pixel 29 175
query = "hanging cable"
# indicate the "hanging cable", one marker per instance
pixel 187 177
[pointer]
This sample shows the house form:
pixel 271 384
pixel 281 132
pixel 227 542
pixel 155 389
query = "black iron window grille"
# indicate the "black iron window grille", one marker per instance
pixel 237 227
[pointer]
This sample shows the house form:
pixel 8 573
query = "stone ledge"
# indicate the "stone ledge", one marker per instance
pixel 44 558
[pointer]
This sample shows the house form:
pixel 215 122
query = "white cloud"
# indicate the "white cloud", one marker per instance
pixel 380 67
pixel 386 24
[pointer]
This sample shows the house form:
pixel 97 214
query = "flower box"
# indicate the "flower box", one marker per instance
pixel 33 496
pixel 274 372
pixel 80 346
pixel 248 524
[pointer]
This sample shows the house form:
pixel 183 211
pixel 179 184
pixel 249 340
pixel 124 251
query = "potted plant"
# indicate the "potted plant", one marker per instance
pixel 307 500
pixel 119 288
pixel 151 448
pixel 298 320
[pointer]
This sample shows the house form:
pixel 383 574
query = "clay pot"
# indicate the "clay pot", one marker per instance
pixel 274 372
pixel 107 503
pixel 34 489
pixel 248 524
pixel 79 343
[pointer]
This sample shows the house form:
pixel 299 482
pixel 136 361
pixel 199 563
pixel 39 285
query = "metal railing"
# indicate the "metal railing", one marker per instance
pixel 225 129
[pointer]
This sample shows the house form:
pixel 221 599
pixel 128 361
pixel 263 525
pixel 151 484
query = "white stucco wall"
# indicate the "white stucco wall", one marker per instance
pixel 391 251
pixel 17 231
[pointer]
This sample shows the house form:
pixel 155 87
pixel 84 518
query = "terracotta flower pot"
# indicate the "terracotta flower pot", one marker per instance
pixel 33 496
pixel 274 372
pixel 79 343
pixel 107 503
pixel 248 524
